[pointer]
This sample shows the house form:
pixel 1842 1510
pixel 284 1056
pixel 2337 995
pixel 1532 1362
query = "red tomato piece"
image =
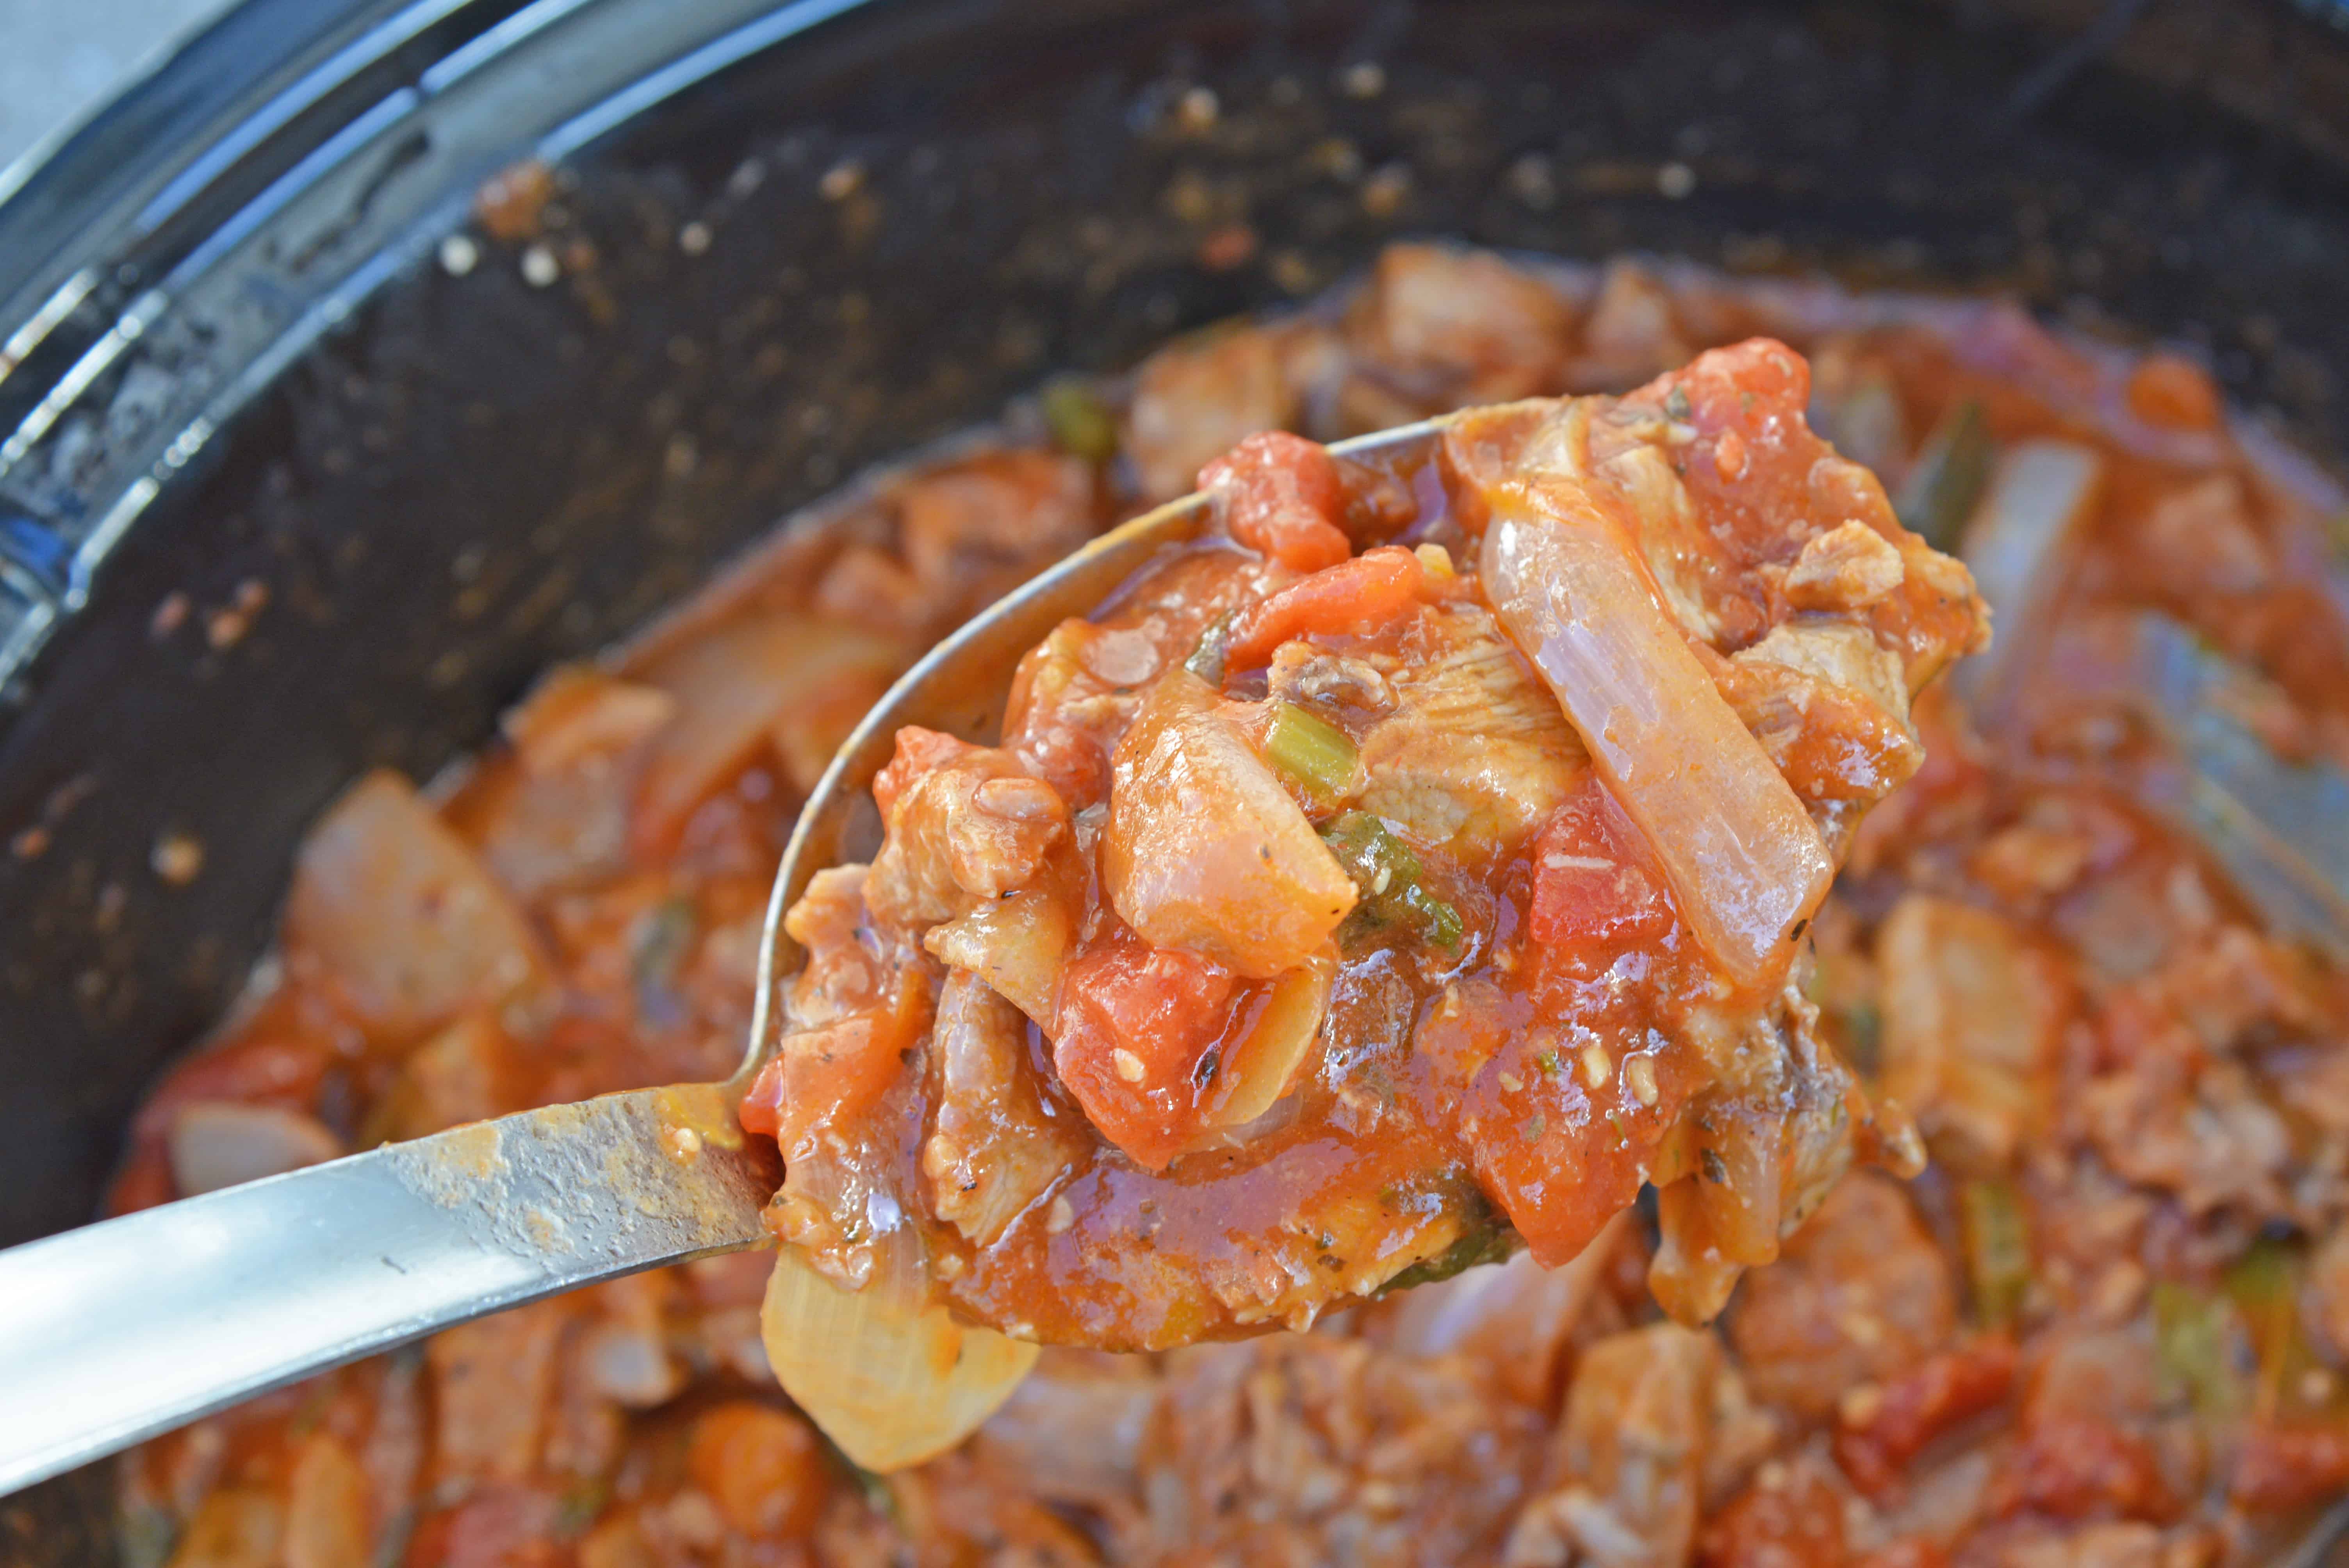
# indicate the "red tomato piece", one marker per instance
pixel 1921 1405
pixel 829 1076
pixel 2290 1466
pixel 1135 1022
pixel 2075 1466
pixel 1373 590
pixel 1593 885
pixel 1282 497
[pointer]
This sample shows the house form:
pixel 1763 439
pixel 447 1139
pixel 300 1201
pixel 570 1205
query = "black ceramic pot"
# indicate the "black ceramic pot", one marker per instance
pixel 287 489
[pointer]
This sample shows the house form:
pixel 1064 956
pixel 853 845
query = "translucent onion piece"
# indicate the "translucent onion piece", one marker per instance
pixel 731 683
pixel 2016 543
pixel 403 918
pixel 1743 860
pixel 2275 825
pixel 1016 944
pixel 888 1375
pixel 1205 849
pixel 1260 1068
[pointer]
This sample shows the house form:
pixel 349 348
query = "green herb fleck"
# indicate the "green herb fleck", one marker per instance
pixel 1390 880
pixel 1487 1242
pixel 1949 476
pixel 1081 423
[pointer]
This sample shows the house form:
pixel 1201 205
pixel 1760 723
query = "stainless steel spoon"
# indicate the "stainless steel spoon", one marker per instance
pixel 123 1329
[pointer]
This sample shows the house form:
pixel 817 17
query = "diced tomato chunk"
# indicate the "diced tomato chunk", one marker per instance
pixel 2290 1466
pixel 2075 1466
pixel 1134 1023
pixel 828 1076
pixel 1797 1523
pixel 1593 886
pixel 764 1468
pixel 1356 598
pixel 1282 496
pixel 1918 1406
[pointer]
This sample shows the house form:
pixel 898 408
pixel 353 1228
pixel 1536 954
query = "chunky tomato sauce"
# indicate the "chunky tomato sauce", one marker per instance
pixel 1346 950
pixel 2091 950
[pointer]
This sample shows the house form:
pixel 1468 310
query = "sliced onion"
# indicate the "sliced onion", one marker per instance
pixel 1260 1068
pixel 887 1373
pixel 400 915
pixel 731 683
pixel 1744 861
pixel 2018 540
pixel 1018 944
pixel 216 1143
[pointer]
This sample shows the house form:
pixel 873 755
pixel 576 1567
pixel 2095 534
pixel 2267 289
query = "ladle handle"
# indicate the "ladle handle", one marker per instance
pixel 123 1329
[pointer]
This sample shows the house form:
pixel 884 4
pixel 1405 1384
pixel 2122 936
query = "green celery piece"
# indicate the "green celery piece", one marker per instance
pixel 2194 1347
pixel 1997 1239
pixel 1948 478
pixel 1390 878
pixel 1081 423
pixel 1314 752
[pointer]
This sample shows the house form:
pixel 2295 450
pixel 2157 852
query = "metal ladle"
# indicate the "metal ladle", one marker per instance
pixel 123 1329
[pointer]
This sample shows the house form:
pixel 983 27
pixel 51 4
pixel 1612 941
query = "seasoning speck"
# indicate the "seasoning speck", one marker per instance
pixel 1640 1074
pixel 539 267
pixel 458 255
pixel 1531 182
pixel 177 858
pixel 1597 1067
pixel 841 181
pixel 1062 1216
pixel 1129 1066
pixel 227 627
pixel 1198 108
pixel 513 204
pixel 1383 192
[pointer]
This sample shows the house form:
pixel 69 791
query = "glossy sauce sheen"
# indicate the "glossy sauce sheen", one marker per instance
pixel 1501 1080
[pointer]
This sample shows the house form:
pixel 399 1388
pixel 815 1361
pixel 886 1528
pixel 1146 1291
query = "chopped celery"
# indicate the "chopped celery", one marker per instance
pixel 1390 878
pixel 2194 1332
pixel 1998 1248
pixel 1081 423
pixel 1310 752
pixel 1949 476
pixel 1487 1238
pixel 2265 1286
pixel 2266 1276
pixel 1206 660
